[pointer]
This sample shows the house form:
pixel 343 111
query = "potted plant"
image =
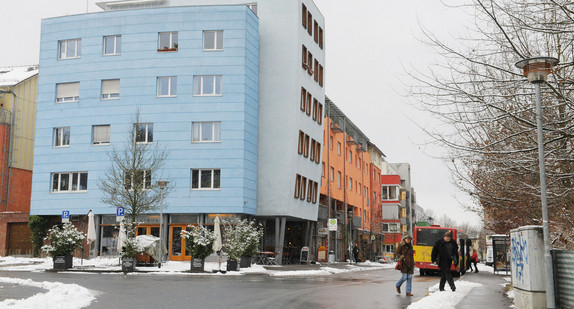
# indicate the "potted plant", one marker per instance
pixel 232 245
pixel 63 242
pixel 199 241
pixel 250 234
pixel 130 250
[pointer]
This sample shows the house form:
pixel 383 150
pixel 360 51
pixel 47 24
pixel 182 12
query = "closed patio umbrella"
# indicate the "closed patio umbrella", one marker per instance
pixel 121 237
pixel 218 241
pixel 91 237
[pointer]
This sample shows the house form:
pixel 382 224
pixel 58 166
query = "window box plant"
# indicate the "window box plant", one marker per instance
pixel 63 241
pixel 199 241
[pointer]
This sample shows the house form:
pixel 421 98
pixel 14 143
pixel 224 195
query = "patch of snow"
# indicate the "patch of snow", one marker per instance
pixel 445 299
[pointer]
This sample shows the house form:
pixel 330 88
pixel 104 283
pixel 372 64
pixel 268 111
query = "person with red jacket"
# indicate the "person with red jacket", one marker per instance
pixel 474 260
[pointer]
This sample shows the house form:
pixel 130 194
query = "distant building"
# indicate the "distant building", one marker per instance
pixel 18 90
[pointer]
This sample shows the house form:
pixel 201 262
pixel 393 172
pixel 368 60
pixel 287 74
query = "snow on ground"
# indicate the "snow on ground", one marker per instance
pixel 445 299
pixel 58 295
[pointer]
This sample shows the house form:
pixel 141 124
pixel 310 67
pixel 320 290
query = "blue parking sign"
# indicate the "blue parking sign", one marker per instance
pixel 120 213
pixel 65 216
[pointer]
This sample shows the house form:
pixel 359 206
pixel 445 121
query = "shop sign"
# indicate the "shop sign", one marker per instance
pixel 332 224
pixel 322 231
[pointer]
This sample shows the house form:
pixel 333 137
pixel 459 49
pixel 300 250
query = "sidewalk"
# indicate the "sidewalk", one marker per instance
pixel 491 293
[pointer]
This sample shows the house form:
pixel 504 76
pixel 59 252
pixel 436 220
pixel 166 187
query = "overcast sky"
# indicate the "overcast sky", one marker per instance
pixel 368 42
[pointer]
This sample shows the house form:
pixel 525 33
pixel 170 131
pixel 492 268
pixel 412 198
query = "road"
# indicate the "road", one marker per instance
pixel 363 289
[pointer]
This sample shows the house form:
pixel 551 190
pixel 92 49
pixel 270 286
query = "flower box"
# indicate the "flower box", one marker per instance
pixel 63 261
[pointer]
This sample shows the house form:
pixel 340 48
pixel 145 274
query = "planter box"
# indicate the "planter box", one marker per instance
pixel 128 265
pixel 232 265
pixel 245 262
pixel 63 261
pixel 197 265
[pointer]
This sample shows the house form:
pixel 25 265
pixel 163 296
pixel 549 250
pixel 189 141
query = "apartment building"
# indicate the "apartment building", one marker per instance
pixel 18 89
pixel 219 84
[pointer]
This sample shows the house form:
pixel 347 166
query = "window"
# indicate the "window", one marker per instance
pixel 308 104
pixel 110 89
pixel 320 38
pixel 390 192
pixel 306 146
pixel 70 49
pixel 61 136
pixel 359 188
pixel 315 191
pixel 321 75
pixel 309 22
pixel 391 227
pixel 207 85
pixel 101 134
pixel 303 99
pixel 144 132
pixel 316 72
pixel 297 192
pixel 69 182
pixel 309 190
pixel 167 41
pixel 316 32
pixel 304 15
pixel 315 106
pixel 139 180
pixel 323 170
pixel 331 142
pixel 205 179
pixel 301 143
pixel 319 113
pixel 304 58
pixel 309 63
pixel 350 184
pixel 302 188
pixel 208 131
pixel 332 174
pixel 313 149
pixel 339 148
pixel 167 86
pixel 67 92
pixel 339 180
pixel 112 45
pixel 213 40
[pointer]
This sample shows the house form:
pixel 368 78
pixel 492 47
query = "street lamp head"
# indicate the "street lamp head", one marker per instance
pixel 162 184
pixel 536 69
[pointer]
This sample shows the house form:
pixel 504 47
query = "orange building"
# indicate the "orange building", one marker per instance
pixel 346 186
pixel 18 90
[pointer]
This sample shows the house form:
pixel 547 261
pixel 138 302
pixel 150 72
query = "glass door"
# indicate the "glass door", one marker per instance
pixel 177 244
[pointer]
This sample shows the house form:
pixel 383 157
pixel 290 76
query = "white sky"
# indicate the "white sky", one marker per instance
pixel 368 42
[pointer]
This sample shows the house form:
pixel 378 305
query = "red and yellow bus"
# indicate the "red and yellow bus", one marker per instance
pixel 424 239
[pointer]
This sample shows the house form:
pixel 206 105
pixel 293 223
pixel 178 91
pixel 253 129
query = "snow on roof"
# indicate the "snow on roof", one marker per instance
pixel 11 76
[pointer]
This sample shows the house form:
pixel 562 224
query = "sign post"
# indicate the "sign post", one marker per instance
pixel 66 216
pixel 120 214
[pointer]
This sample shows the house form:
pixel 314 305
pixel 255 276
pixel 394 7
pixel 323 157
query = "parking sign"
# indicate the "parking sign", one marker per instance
pixel 65 216
pixel 120 214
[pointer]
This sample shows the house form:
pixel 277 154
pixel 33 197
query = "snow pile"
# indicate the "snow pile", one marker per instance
pixel 58 295
pixel 445 299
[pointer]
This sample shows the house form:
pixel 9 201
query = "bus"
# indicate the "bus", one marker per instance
pixel 424 239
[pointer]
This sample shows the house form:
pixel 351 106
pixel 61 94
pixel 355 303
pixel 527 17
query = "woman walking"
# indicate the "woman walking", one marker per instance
pixel 405 255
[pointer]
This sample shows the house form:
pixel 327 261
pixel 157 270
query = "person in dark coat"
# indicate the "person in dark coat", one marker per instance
pixel 356 253
pixel 405 254
pixel 444 253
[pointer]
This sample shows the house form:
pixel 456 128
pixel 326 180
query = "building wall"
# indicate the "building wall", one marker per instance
pixel 138 67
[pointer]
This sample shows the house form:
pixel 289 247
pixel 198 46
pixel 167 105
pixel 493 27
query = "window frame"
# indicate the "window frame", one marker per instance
pixel 94 142
pixel 217 83
pixel 70 184
pixel 59 137
pixel 117 48
pixel 173 44
pixel 110 95
pixel 218 35
pixel 68 99
pixel 387 193
pixel 148 132
pixel 63 49
pixel 171 89
pixel 199 179
pixel 147 180
pixel 215 131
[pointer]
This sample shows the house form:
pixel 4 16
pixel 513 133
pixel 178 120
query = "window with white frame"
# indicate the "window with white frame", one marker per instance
pixel 205 179
pixel 62 137
pixel 110 89
pixel 69 182
pixel 112 45
pixel 70 49
pixel 167 86
pixel 144 132
pixel 140 179
pixel 207 85
pixel 206 131
pixel 391 227
pixel 167 41
pixel 67 92
pixel 212 40
pixel 390 193
pixel 101 134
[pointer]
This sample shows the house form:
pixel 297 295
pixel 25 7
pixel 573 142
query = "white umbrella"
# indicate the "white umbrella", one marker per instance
pixel 121 237
pixel 91 237
pixel 217 233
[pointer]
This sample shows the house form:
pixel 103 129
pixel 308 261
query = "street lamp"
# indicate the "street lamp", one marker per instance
pixel 161 184
pixel 536 70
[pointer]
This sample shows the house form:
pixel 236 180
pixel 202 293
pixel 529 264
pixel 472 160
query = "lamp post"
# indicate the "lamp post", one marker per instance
pixel 536 70
pixel 161 184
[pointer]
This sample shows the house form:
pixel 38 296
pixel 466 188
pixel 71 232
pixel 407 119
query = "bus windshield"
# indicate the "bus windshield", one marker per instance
pixel 427 237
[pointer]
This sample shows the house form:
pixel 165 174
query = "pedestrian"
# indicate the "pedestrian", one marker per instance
pixel 356 253
pixel 474 260
pixel 444 253
pixel 405 254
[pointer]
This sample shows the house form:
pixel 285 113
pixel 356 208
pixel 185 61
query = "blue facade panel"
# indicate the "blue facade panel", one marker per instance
pixel 138 67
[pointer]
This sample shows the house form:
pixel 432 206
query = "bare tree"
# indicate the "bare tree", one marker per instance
pixel 488 111
pixel 128 181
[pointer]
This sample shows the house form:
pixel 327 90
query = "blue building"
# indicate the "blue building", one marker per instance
pixel 192 75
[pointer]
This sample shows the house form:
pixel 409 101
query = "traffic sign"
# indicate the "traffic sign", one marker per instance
pixel 65 216
pixel 120 214
pixel 332 224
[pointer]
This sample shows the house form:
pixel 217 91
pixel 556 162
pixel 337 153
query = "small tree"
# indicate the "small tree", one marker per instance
pixel 241 239
pixel 63 240
pixel 199 241
pixel 39 227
